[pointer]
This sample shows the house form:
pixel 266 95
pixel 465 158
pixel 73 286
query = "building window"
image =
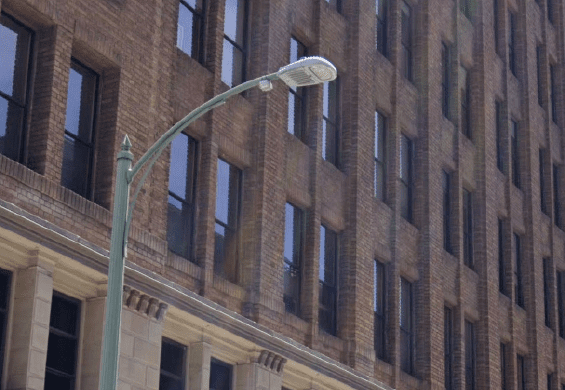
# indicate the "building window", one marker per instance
pixel 499 139
pixel 520 372
pixel 406 177
pixel 228 199
pixel 549 381
pixel 235 42
pixel 293 252
pixel 380 156
pixel 190 30
pixel 448 348
pixel 503 368
pixel 553 76
pixel 446 200
pixel 220 375
pixel 543 182
pixel 379 301
pixel 512 43
pixel 330 131
pixel 382 26
pixel 496 12
pixel 557 196
pixel 5 279
pixel 515 152
pixel 468 229
pixel 62 347
pixel 445 79
pixel 466 104
pixel 551 11
pixel 539 75
pixel 465 8
pixel 78 149
pixel 173 363
pixel 547 281
pixel 406 62
pixel 181 202
pixel 335 4
pixel 502 285
pixel 328 280
pixel 470 356
pixel 15 67
pixel 561 302
pixel 407 327
pixel 297 96
pixel 519 291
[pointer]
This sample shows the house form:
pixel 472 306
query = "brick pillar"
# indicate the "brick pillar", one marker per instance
pixel 266 374
pixel 30 333
pixel 94 314
pixel 140 342
pixel 199 355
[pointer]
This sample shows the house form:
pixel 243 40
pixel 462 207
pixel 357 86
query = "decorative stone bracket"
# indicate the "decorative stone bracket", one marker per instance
pixel 271 361
pixel 144 304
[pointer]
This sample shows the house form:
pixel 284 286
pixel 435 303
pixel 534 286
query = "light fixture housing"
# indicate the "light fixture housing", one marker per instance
pixel 307 71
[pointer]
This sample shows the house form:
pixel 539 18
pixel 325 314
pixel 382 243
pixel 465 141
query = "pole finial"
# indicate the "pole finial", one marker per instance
pixel 126 144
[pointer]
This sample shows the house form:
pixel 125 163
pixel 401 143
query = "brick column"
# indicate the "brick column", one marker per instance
pixel 30 330
pixel 199 355
pixel 140 343
pixel 94 315
pixel 266 374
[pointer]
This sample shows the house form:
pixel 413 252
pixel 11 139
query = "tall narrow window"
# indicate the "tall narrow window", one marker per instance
pixel 543 188
pixel 5 278
pixel 466 104
pixel 512 43
pixel 519 290
pixel 445 79
pixel 551 11
pixel 515 152
pixel 557 196
pixel 561 302
pixel 297 96
pixel 173 363
pixel 539 75
pixel 15 67
pixel 502 284
pixel 78 149
pixel 62 347
pixel 470 356
pixel 335 4
pixel 520 372
pixel 503 367
pixel 235 42
pixel 499 138
pixel 220 375
pixel 406 177
pixel 446 201
pixel 407 327
pixel 448 348
pixel 181 205
pixel 228 199
pixel 465 8
pixel 330 130
pixel 468 228
pixel 293 252
pixel 553 76
pixel 328 281
pixel 547 282
pixel 406 62
pixel 379 301
pixel 549 381
pixel 496 24
pixel 380 156
pixel 382 26
pixel 190 28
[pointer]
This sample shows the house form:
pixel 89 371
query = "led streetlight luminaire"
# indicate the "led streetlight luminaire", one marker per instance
pixel 307 71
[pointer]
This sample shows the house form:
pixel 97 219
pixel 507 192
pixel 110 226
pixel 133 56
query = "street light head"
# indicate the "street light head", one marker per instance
pixel 307 71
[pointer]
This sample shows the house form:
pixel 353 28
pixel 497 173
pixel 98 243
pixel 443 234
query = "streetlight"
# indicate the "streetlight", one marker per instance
pixel 307 71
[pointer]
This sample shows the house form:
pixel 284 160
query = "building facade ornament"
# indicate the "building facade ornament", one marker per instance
pixel 144 304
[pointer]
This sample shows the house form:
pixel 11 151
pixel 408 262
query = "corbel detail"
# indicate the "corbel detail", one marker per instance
pixel 144 304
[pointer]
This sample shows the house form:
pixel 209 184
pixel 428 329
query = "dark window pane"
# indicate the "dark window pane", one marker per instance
pixel 173 362
pixel 235 20
pixel 291 288
pixel 189 28
pixel 179 224
pixel 76 162
pixel 232 64
pixel 57 382
pixel 169 383
pixel 11 125
pixel 64 315
pixel 61 354
pixel 16 41
pixel 179 167
pixel 220 376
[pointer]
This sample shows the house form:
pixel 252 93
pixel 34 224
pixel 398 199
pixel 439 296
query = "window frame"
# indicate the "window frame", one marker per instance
pixel 162 371
pixel 515 146
pixel 296 264
pixel 558 218
pixel 407 183
pixel 300 95
pixel 468 236
pixel 380 309
pixel 446 208
pixel 331 329
pixel 554 91
pixel 547 288
pixel 445 78
pixel 518 272
pixel 499 123
pixel 544 206
pixel 200 16
pixel 241 47
pixel 561 302
pixel 334 158
pixel 539 74
pixel 406 40
pixel 382 16
pixel 229 367
pixel 502 280
pixel 407 331
pixel 512 43
pixel 381 137
pixel 470 356
pixel 466 105
pixel 448 350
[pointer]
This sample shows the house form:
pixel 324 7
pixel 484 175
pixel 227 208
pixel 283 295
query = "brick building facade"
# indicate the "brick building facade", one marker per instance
pixel 400 227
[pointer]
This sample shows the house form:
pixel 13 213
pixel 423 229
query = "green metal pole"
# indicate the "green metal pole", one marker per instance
pixel 112 329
